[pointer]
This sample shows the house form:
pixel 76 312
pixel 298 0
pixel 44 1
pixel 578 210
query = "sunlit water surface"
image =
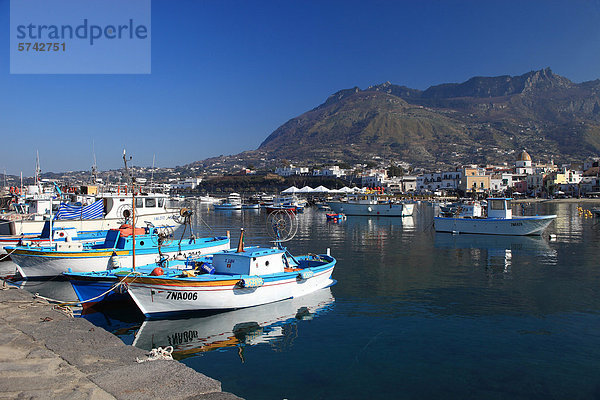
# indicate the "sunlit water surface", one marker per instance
pixel 414 314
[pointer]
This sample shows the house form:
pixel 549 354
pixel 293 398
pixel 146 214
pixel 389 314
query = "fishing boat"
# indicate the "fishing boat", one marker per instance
pixel 58 235
pixel 107 287
pixel 371 204
pixel 241 278
pixel 244 327
pixel 499 221
pixel 108 211
pixel 117 250
pixel 233 202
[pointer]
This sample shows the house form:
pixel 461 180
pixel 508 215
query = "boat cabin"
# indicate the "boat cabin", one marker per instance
pixel 499 208
pixel 252 261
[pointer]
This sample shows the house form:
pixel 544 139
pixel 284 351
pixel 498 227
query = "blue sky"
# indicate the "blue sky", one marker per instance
pixel 225 74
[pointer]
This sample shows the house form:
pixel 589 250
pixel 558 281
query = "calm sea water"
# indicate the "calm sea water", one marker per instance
pixel 414 314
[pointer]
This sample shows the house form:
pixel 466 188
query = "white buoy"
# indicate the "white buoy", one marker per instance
pixel 329 252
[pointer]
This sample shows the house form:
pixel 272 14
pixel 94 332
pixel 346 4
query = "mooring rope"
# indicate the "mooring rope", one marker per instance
pixel 158 354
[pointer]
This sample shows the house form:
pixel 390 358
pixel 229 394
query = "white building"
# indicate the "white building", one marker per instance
pixel 523 164
pixel 329 171
pixel 291 170
pixel 188 183
pixel 432 182
pixel 374 177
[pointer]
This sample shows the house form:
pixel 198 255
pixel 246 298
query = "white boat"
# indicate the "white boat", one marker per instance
pixel 371 204
pixel 499 221
pixel 233 202
pixel 208 199
pixel 248 326
pixel 242 278
pixel 109 211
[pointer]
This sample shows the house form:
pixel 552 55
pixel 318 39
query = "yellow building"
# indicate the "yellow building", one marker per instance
pixel 474 179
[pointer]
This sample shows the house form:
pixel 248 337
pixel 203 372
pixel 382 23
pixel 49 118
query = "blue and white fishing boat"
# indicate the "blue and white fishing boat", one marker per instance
pixel 499 221
pixel 241 278
pixel 106 286
pixel 117 250
pixel 58 235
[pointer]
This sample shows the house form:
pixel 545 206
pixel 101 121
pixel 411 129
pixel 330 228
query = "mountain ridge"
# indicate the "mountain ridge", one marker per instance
pixel 478 120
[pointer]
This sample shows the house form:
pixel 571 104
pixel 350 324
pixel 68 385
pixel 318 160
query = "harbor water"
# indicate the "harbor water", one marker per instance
pixel 414 314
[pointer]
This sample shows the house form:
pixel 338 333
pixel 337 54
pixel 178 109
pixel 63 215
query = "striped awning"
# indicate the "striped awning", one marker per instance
pixel 68 211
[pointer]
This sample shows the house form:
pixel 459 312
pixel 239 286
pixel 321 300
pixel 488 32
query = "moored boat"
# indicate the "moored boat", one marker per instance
pixel 108 211
pixel 233 202
pixel 499 221
pixel 248 326
pixel 371 204
pixel 116 251
pixel 58 235
pixel 242 278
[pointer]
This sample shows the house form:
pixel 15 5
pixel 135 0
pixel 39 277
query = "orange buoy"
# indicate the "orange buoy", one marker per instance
pixel 158 271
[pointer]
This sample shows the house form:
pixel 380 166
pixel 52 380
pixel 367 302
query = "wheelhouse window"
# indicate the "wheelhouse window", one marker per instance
pixel 151 202
pixel 139 203
pixel 496 204
pixel 161 202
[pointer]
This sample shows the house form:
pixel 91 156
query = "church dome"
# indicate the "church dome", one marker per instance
pixel 524 156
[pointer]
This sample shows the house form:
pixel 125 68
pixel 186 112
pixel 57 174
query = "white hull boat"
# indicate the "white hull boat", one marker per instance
pixel 241 279
pixel 115 210
pixel 372 209
pixel 195 335
pixel 495 226
pixel 499 221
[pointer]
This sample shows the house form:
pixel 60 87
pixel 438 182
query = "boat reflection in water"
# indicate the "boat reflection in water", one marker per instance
pixel 499 248
pixel 239 328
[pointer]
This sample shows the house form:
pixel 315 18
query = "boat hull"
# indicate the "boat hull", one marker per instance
pixel 189 336
pixel 40 264
pixel 378 210
pixel 156 297
pixel 522 226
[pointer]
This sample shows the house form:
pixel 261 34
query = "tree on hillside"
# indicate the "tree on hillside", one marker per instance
pixel 395 170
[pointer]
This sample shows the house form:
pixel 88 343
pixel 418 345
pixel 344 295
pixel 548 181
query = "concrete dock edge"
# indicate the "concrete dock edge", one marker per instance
pixel 46 353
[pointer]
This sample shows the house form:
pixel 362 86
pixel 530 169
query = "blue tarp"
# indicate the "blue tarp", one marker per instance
pixel 68 211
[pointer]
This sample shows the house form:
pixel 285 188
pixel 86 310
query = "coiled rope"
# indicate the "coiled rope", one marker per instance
pixel 158 354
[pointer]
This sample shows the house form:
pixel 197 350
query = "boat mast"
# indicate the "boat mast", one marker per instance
pixel 94 168
pixel 152 174
pixel 38 171
pixel 132 180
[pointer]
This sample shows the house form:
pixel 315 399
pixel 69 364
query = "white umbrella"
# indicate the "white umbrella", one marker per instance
pixel 305 189
pixel 292 189
pixel 321 189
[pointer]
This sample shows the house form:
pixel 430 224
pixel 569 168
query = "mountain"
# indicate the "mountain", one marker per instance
pixel 484 119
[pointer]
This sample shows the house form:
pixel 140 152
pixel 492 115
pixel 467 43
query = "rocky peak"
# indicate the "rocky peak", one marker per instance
pixel 544 79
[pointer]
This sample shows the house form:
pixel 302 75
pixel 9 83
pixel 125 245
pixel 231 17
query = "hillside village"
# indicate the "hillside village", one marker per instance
pixel 522 178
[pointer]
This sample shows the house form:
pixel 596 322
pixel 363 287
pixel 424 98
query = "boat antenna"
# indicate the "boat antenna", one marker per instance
pixel 131 179
pixel 94 167
pixel 152 173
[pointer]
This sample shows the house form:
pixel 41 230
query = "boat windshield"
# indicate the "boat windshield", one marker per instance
pixel 496 204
